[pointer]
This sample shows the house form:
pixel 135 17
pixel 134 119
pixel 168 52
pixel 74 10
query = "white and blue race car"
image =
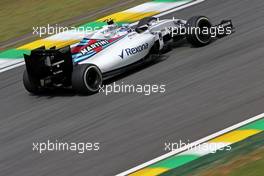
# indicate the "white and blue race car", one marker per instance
pixel 111 51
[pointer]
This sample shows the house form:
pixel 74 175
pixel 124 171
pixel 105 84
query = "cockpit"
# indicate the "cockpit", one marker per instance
pixel 112 31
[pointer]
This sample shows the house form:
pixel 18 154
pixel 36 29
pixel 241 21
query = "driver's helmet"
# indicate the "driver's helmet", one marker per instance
pixel 110 30
pixel 125 28
pixel 112 27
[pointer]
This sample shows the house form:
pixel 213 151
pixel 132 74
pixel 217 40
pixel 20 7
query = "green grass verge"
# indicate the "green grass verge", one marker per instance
pixel 13 53
pixel 245 159
pixel 17 17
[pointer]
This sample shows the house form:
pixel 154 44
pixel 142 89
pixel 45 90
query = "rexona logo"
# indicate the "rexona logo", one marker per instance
pixel 133 51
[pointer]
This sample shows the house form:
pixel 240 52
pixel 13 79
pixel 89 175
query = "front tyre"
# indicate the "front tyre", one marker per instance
pixel 198 28
pixel 86 79
pixel 31 84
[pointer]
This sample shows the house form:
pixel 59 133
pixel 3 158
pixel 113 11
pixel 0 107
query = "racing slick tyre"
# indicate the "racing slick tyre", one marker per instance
pixel 30 83
pixel 86 79
pixel 197 36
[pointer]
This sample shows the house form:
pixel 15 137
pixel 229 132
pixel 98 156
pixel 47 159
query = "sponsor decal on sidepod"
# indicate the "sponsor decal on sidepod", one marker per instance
pixel 132 51
pixel 94 46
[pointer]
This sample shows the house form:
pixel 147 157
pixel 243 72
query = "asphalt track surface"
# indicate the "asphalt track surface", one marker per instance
pixel 208 89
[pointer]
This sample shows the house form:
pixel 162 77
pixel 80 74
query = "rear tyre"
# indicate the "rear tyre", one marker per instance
pixel 86 79
pixel 31 84
pixel 197 26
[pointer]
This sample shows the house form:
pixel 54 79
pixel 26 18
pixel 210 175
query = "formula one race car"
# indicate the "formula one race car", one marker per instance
pixel 113 50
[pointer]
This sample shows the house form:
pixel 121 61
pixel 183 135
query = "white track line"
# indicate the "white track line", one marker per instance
pixel 174 10
pixel 198 142
pixel 18 64
pixel 180 8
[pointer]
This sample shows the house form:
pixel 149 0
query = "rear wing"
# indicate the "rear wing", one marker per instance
pixel 50 64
